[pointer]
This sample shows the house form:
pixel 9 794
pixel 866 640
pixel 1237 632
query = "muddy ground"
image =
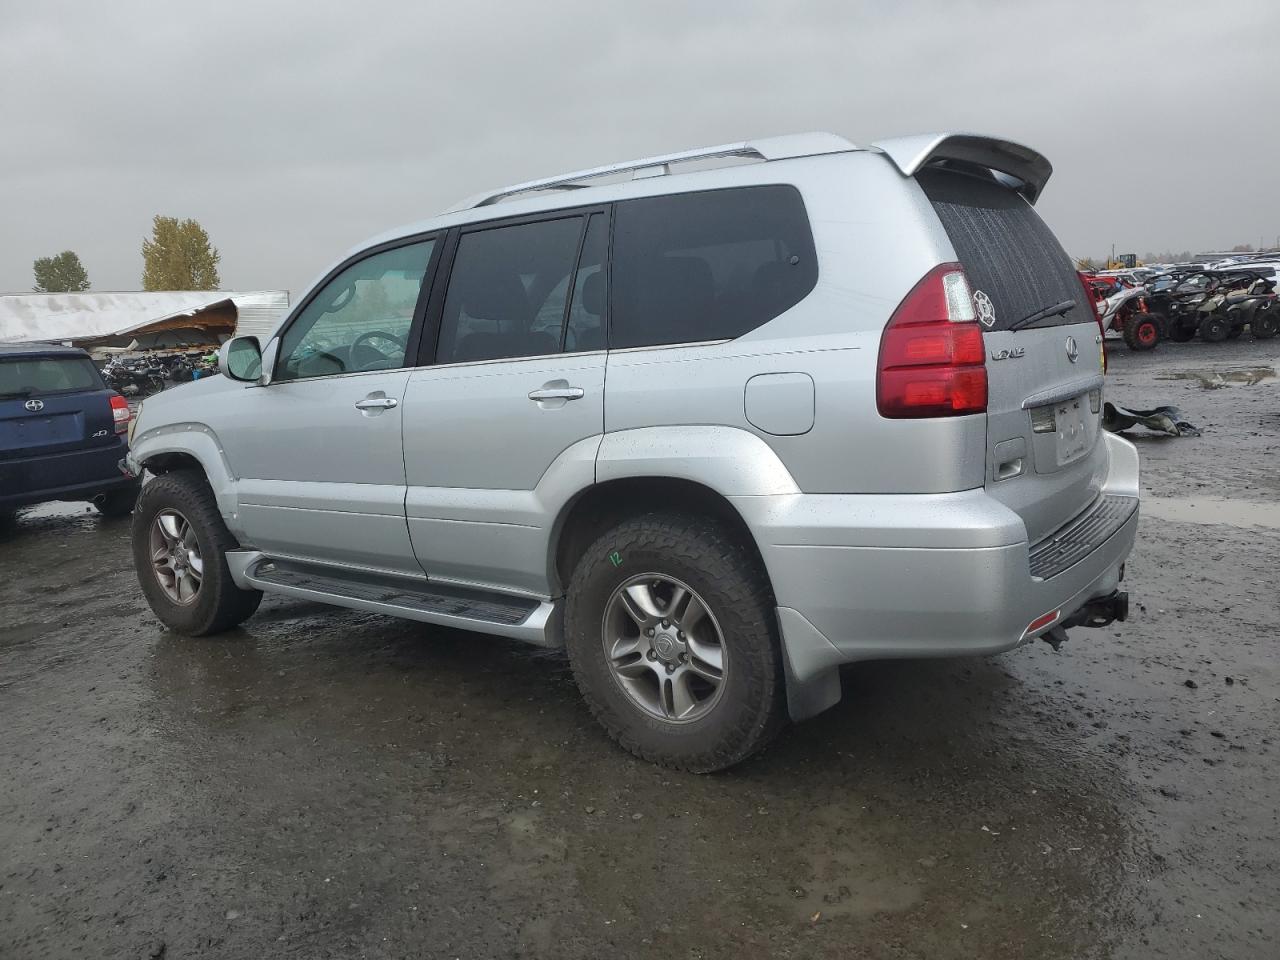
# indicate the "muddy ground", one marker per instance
pixel 333 784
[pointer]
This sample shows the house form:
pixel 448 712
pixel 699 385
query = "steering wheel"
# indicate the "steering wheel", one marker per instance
pixel 375 335
pixel 379 334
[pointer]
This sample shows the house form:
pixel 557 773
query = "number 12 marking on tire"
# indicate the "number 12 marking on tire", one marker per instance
pixel 615 558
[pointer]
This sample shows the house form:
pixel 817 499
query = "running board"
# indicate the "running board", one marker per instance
pixel 413 598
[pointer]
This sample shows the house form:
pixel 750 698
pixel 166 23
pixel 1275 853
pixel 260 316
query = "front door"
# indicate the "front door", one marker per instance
pixel 317 451
pixel 510 416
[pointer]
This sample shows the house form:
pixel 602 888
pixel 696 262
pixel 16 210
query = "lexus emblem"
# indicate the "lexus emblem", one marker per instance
pixel 34 405
pixel 1073 351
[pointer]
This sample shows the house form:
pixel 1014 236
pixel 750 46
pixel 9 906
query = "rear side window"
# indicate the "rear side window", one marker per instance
pixel 1007 251
pixel 509 291
pixel 31 377
pixel 707 266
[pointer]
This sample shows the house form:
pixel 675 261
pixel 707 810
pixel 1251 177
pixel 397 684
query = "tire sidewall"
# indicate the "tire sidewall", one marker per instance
pixel 168 492
pixel 748 638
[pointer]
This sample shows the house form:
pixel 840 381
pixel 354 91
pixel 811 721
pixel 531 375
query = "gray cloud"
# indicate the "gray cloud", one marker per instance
pixel 292 130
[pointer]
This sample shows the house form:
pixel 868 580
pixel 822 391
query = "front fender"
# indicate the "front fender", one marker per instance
pixel 199 442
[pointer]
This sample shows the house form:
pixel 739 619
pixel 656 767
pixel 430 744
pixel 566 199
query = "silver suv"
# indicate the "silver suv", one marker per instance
pixel 716 422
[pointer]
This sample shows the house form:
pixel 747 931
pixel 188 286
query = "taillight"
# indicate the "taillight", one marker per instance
pixel 120 412
pixel 1097 315
pixel 932 358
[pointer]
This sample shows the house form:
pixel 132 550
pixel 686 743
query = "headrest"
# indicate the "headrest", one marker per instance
pixel 593 293
pixel 500 297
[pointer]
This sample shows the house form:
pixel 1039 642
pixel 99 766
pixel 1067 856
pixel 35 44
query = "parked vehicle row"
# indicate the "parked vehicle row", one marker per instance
pixel 141 375
pixel 1214 303
pixel 716 431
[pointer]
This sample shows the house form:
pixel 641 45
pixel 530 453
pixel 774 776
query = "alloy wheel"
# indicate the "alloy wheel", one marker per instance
pixel 175 556
pixel 664 648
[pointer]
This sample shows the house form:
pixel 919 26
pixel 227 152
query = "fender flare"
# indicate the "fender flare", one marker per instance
pixel 729 460
pixel 198 441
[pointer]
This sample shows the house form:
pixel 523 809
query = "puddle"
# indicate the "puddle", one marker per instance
pixel 1217 379
pixel 1211 510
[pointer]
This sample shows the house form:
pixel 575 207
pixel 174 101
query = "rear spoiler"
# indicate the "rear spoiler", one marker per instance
pixel 914 153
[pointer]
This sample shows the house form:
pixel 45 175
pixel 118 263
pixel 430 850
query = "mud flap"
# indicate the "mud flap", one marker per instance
pixel 811 664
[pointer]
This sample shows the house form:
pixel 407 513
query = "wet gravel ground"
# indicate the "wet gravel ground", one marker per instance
pixel 333 784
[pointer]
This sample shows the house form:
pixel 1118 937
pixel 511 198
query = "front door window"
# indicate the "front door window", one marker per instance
pixel 360 320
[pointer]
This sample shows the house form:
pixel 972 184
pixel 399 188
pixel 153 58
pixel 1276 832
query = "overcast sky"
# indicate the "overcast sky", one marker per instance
pixel 293 130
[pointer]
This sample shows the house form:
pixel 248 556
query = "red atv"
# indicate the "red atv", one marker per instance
pixel 1122 307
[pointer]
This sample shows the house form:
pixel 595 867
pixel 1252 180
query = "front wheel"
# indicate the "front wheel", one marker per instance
pixel 179 552
pixel 672 637
pixel 1142 332
pixel 1214 329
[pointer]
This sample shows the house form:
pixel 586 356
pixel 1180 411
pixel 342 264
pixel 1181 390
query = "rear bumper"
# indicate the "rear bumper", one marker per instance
pixel 72 475
pixel 886 577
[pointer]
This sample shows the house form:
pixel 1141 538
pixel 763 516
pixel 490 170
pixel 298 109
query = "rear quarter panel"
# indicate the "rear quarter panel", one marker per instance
pixel 875 235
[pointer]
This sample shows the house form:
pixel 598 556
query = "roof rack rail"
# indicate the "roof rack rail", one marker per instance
pixel 769 148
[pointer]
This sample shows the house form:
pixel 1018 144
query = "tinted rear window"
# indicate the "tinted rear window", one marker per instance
pixel 1006 249
pixel 32 376
pixel 708 266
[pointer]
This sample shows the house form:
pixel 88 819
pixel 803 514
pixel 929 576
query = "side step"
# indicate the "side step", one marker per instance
pixel 522 618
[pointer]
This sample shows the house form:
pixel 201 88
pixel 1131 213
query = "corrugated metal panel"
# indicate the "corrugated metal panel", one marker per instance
pixel 90 316
pixel 258 314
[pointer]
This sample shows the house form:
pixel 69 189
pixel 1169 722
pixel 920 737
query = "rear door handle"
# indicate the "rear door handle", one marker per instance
pixel 558 393
pixel 377 403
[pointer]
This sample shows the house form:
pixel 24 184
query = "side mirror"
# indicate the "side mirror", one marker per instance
pixel 240 358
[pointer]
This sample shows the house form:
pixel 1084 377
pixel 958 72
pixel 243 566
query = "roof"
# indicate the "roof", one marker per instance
pixel 89 316
pixel 1015 165
pixel 44 349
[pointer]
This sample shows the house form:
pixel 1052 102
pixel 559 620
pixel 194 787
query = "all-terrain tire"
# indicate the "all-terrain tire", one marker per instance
pixel 1214 329
pixel 1265 323
pixel 1142 332
pixel 219 604
pixel 728 576
pixel 117 503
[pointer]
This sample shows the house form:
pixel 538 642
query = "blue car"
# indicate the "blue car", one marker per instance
pixel 63 433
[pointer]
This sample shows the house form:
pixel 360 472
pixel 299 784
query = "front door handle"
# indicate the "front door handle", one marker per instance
pixel 377 403
pixel 558 393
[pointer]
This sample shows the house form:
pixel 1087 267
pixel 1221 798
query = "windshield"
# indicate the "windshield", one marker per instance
pixel 35 376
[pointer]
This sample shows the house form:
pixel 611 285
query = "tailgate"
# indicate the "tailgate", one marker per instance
pixel 1045 459
pixel 52 405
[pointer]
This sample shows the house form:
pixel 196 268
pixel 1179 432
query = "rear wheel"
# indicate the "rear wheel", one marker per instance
pixel 1142 332
pixel 1265 323
pixel 1214 329
pixel 179 552
pixel 671 633
pixel 117 503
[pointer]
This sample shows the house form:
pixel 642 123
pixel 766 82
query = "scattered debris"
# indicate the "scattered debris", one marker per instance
pixel 1190 684
pixel 1165 420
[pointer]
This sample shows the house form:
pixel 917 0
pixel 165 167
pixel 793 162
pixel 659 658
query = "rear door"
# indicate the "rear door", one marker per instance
pixel 1045 455
pixel 52 405
pixel 509 417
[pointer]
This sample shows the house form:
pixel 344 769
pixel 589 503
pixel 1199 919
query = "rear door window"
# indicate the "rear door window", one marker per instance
pixel 711 265
pixel 509 291
pixel 36 376
pixel 1007 251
